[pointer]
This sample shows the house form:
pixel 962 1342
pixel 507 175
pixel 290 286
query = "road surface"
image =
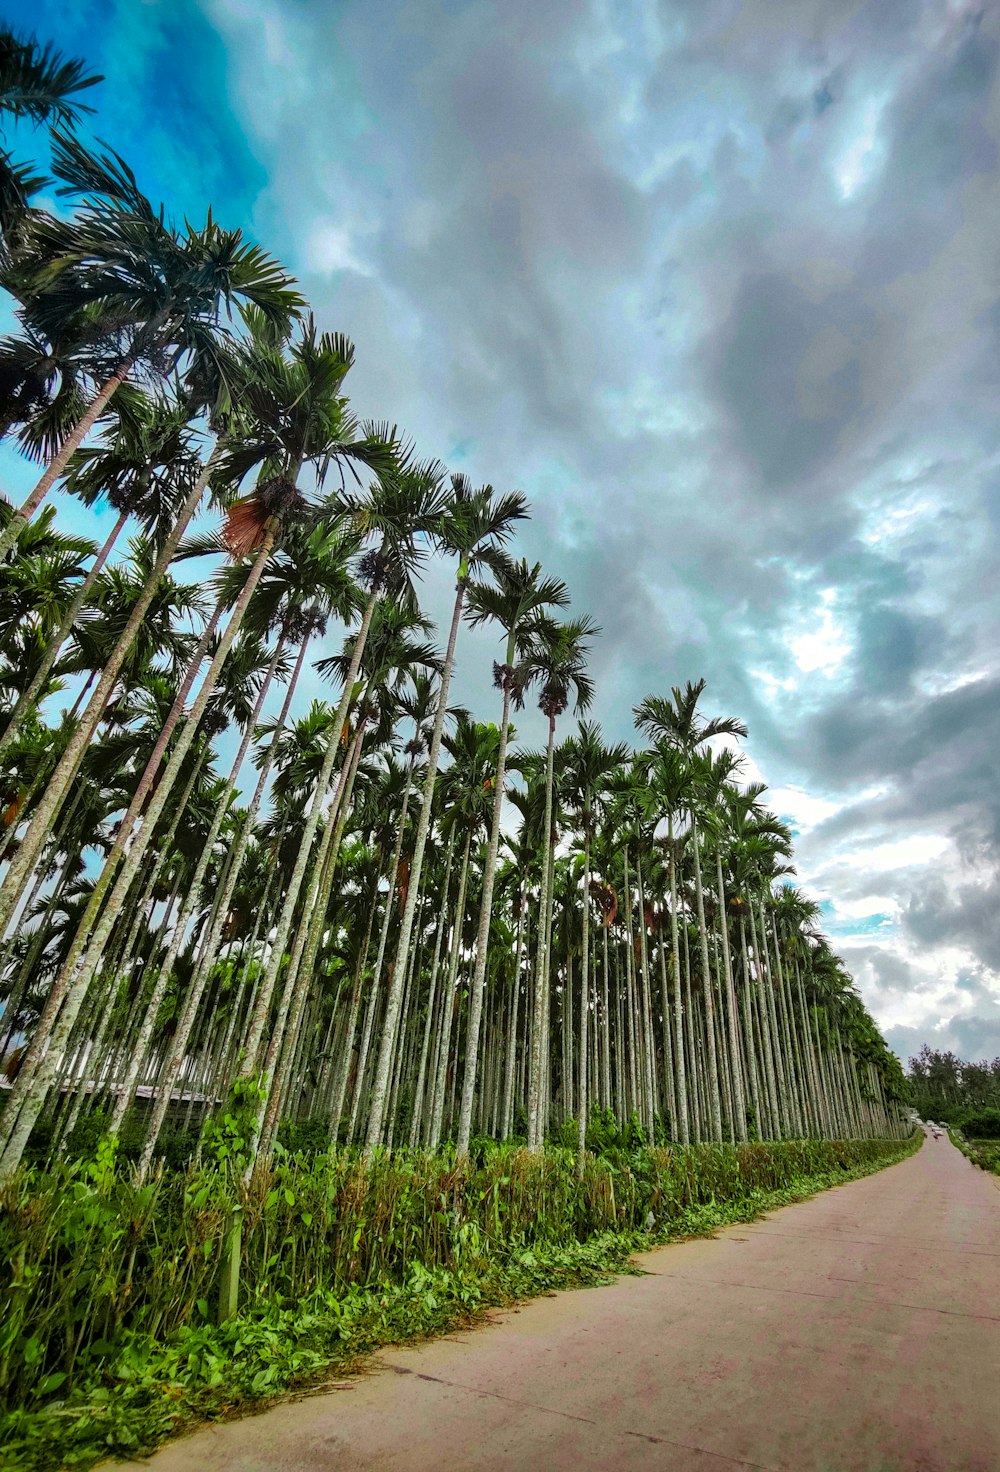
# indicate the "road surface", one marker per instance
pixel 855 1332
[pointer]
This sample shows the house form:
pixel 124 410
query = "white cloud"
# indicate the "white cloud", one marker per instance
pixel 864 153
pixel 823 648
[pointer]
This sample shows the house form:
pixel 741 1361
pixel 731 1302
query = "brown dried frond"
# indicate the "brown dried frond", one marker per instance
pixel 606 897
pixel 245 526
pixel 11 1066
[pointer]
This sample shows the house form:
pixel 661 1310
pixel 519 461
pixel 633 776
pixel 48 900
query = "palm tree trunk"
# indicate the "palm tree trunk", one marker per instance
pixel 76 748
pixel 649 1046
pixel 300 963
pixel 192 899
pixel 73 983
pixel 581 1137
pixel 449 1000
pixel 506 1111
pixel 682 1125
pixel 483 936
pixel 536 1126
pixel 342 1072
pixel 57 465
pixel 28 698
pixel 420 1086
pixel 284 925
pixel 127 824
pixel 399 969
pixel 669 1066
pixel 715 1120
pixel 739 1097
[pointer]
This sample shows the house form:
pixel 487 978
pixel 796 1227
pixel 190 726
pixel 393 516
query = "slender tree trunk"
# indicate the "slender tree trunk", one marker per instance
pixel 193 897
pixel 683 1125
pixel 304 951
pixel 377 1104
pixel 454 956
pixel 74 982
pixel 57 465
pixel 420 1086
pixel 483 936
pixel 506 1112
pixel 76 748
pixel 536 1115
pixel 715 1119
pixel 739 1098
pixel 29 697
pixel 284 924
pixel 581 1138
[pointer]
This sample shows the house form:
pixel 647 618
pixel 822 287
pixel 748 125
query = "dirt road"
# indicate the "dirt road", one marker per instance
pixel 856 1332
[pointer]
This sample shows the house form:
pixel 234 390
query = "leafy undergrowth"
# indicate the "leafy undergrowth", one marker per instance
pixel 132 1390
pixel 984 1153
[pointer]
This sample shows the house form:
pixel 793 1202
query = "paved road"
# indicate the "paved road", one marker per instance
pixel 856 1332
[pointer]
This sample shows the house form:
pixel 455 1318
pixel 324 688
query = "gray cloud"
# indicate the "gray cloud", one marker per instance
pixel 717 285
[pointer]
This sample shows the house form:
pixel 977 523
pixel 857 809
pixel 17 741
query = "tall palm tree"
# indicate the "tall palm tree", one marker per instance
pixel 165 290
pixel 519 597
pixel 557 660
pixel 473 526
pixel 315 426
pixel 214 379
pixel 679 722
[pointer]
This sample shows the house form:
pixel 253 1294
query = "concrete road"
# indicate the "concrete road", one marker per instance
pixel 856 1332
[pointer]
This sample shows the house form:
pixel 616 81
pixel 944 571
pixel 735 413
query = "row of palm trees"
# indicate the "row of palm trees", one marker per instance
pixel 210 894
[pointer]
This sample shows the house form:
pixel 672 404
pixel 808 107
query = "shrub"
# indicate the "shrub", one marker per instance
pixel 984 1124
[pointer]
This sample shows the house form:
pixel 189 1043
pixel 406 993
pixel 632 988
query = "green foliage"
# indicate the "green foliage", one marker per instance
pixel 942 1086
pixel 228 1136
pixel 107 1343
pixel 983 1124
pixel 304 1136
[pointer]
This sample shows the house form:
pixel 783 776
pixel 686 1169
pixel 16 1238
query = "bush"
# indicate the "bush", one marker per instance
pixel 984 1124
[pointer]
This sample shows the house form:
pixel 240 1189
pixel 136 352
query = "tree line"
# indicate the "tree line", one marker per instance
pixel 941 1083
pixel 375 912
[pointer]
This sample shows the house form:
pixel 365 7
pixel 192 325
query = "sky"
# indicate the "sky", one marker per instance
pixel 717 285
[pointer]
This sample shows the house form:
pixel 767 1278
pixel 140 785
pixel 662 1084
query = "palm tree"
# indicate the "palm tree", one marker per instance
pixel 520 595
pixel 42 85
pixel 678 722
pixel 398 510
pixel 118 257
pixel 558 660
pixel 145 466
pixel 473 526
pixel 214 378
pixel 316 426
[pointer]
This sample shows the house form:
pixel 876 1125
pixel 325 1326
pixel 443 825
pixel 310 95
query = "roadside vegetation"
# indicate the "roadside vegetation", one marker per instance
pixel 114 1292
